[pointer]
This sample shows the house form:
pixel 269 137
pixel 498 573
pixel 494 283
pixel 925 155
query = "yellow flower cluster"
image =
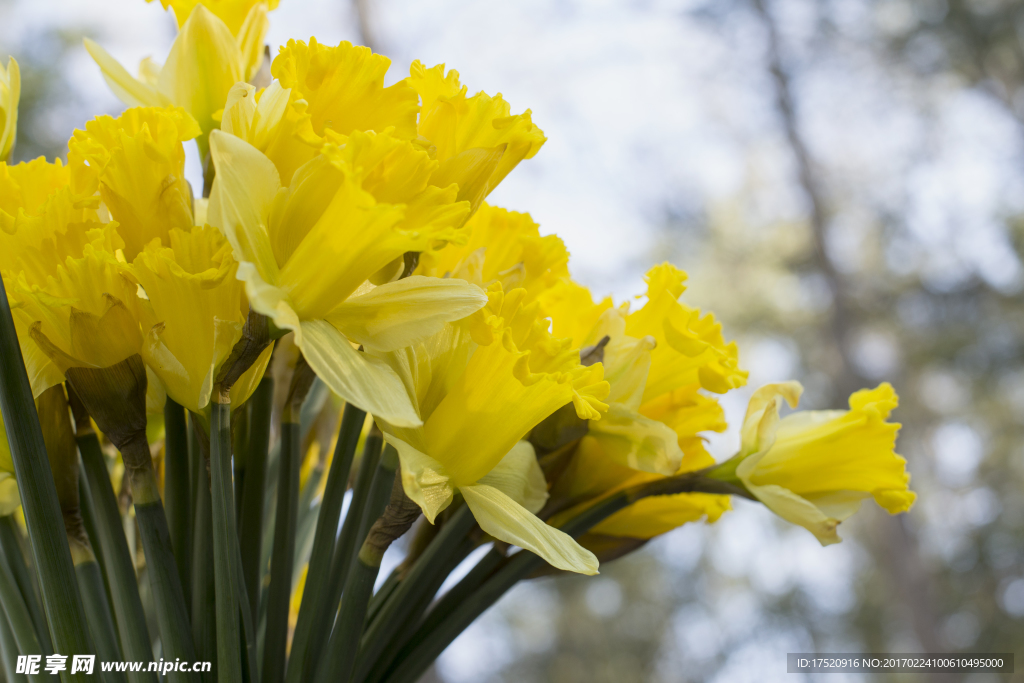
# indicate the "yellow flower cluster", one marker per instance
pixel 354 217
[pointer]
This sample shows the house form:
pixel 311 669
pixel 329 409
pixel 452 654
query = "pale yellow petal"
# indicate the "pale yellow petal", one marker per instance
pixel 398 314
pixel 203 64
pixel 638 442
pixel 360 379
pixel 240 200
pixel 423 478
pixel 799 511
pixel 506 520
pixel 768 395
pixel 520 477
pixel 126 87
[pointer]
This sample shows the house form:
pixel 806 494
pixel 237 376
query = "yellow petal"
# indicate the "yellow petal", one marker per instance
pixel 503 246
pixel 520 477
pixel 126 87
pixel 638 442
pixel 770 396
pixel 690 346
pixel 656 515
pixel 193 311
pixel 240 201
pixel 203 64
pixel 481 126
pixel 508 386
pixel 137 163
pixel 398 314
pixel 362 380
pixel 10 94
pixel 504 519
pixel 344 87
pixel 799 511
pixel 423 478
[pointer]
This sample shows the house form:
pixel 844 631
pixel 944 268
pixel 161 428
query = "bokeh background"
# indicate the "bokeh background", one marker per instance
pixel 844 182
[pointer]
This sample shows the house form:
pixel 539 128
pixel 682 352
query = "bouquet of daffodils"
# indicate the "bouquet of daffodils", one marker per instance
pixel 192 379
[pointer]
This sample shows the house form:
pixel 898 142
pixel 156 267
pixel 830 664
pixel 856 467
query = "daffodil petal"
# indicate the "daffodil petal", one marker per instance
pixel 423 478
pixel 768 395
pixel 240 200
pixel 520 477
pixel 398 314
pixel 799 511
pixel 507 520
pixel 126 87
pixel 203 64
pixel 637 442
pixel 359 378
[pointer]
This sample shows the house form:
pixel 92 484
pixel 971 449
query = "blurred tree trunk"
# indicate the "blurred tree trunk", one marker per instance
pixel 898 547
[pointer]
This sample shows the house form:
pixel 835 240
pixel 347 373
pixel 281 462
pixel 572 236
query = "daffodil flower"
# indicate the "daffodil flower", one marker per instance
pixel 657 359
pixel 307 250
pixel 192 312
pixel 10 93
pixel 136 163
pixel 502 246
pixel 218 45
pixel 814 468
pixel 479 387
pixel 476 138
pixel 42 224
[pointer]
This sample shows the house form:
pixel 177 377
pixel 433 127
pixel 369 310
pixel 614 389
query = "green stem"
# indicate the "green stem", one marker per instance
pixel 229 654
pixel 11 548
pixel 9 650
pixel 412 609
pixel 240 449
pixel 251 523
pixel 340 658
pixel 124 588
pixel 168 598
pixel 90 581
pixel 248 623
pixel 62 602
pixel 92 533
pixel 17 614
pixel 283 553
pixel 416 590
pixel 381 597
pixel 177 491
pixel 344 642
pixel 204 620
pixel 327 607
pixel 324 539
pixel 428 643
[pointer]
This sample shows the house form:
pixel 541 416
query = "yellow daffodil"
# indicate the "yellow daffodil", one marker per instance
pixel 10 93
pixel 192 315
pixel 137 164
pixel 479 387
pixel 10 500
pixel 657 359
pixel 45 232
pixel 503 246
pixel 218 45
pixel 814 468
pixel 307 250
pixel 477 139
